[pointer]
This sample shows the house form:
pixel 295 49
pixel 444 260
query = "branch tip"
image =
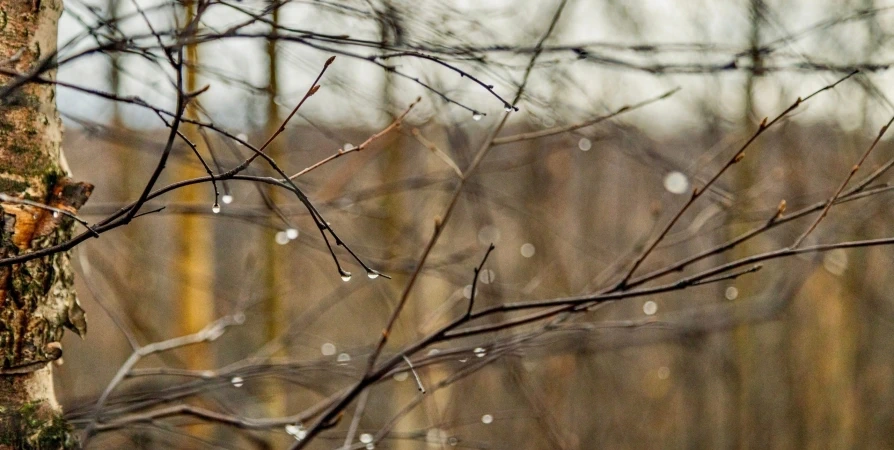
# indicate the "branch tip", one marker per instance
pixel 780 209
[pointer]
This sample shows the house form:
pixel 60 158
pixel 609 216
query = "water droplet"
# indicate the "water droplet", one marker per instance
pixel 467 291
pixel 297 431
pixel 237 381
pixel 292 233
pixel 242 137
pixel 227 199
pixel 650 308
pixel 507 108
pixel 731 293
pixel 348 146
pixel 327 349
pixel 401 376
pixel 372 274
pixel 486 276
pixel 477 116
pixel 345 276
pixel 55 214
pixel 464 360
pixel 480 352
pixel 281 238
pixel 584 144
pixel 676 183
pixel 370 446
pixel 527 250
pixel 366 438
pixel 663 373
pixel 216 208
pixel 835 261
pixel 343 357
pixel 239 318
pixel 487 418
pixel 433 352
pixel 453 441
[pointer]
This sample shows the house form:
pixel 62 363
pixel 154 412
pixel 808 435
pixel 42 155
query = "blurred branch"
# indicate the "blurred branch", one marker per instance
pixel 209 333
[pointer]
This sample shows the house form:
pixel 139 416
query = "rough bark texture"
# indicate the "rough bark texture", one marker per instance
pixel 36 298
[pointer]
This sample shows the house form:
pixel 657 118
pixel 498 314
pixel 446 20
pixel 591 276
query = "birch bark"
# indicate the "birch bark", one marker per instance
pixel 37 298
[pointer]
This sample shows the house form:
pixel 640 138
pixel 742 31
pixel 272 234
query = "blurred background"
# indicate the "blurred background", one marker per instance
pixel 797 355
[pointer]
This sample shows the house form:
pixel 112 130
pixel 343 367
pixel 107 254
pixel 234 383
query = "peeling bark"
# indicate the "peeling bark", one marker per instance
pixel 37 298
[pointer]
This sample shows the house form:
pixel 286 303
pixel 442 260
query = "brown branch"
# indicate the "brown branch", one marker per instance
pixel 437 151
pixel 486 145
pixel 843 184
pixel 696 193
pixel 341 152
pixel 564 129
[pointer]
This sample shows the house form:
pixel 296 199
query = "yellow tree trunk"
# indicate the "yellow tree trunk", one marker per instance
pixel 195 268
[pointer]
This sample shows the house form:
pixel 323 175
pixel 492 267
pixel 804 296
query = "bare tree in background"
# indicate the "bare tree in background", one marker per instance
pixel 456 265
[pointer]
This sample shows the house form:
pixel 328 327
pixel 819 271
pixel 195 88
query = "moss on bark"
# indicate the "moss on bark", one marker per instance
pixel 37 298
pixel 29 426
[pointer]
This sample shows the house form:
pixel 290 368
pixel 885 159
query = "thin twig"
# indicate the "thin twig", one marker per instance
pixel 56 211
pixel 338 406
pixel 355 420
pixel 843 184
pixel 341 152
pixel 437 151
pixel 575 126
pixel 415 375
pixel 211 332
pixel 477 271
pixel 698 192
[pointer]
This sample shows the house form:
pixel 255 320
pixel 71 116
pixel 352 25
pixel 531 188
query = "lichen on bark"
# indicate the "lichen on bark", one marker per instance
pixel 37 298
pixel 48 429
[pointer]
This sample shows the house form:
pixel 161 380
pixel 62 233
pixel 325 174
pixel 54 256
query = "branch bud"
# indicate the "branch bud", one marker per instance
pixel 780 209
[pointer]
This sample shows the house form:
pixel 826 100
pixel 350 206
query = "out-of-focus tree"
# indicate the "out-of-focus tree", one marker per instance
pixel 572 236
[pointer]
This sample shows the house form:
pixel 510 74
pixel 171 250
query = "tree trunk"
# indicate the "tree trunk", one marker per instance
pixel 195 262
pixel 37 298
